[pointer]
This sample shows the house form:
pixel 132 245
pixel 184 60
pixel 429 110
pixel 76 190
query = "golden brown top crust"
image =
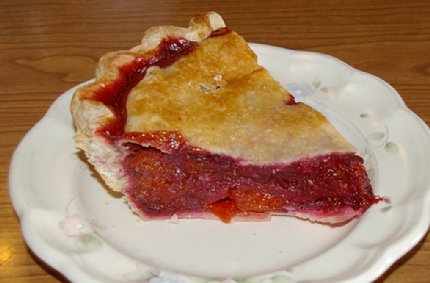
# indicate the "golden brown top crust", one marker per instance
pixel 221 100
pixel 217 97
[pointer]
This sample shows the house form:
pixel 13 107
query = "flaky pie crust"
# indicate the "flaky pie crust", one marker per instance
pixel 217 97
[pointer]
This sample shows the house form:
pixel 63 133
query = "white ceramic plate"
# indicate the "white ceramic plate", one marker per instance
pixel 74 224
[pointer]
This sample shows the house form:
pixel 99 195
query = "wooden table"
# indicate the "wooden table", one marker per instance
pixel 47 47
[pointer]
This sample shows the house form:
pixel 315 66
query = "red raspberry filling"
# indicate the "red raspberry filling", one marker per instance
pixel 189 180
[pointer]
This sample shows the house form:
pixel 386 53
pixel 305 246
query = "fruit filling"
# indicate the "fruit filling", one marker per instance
pixel 189 180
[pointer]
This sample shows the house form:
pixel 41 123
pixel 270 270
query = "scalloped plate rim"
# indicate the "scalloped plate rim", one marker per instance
pixel 387 257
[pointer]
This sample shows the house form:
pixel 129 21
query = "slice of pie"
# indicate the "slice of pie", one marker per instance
pixel 187 124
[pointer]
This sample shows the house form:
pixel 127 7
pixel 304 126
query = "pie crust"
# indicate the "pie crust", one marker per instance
pixel 198 93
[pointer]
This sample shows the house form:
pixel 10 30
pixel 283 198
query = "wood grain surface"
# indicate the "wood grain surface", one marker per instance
pixel 49 46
